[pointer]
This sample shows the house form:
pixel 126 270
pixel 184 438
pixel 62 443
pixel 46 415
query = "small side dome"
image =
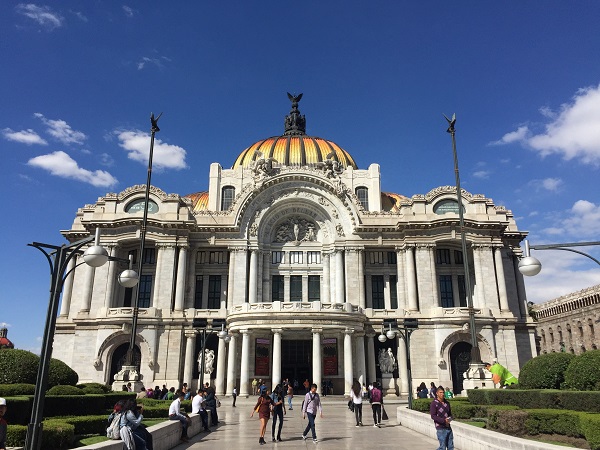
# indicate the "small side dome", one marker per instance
pixel 391 202
pixel 199 200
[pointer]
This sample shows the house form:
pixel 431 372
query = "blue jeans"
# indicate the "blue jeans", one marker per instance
pixel 446 438
pixel 290 401
pixel 184 423
pixel 311 425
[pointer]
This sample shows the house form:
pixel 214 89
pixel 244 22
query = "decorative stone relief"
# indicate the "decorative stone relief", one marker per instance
pixel 262 167
pixel 330 167
pixel 340 230
pixel 296 230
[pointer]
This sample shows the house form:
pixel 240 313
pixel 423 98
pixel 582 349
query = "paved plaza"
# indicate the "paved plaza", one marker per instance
pixel 336 430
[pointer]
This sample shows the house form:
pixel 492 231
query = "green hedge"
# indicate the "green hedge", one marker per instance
pixel 18 411
pixel 18 366
pixel 74 405
pixel 64 390
pixel 15 435
pixel 14 390
pixel 113 397
pixel 583 374
pixel 88 424
pixel 61 374
pixel 537 399
pixel 545 371
pixel 96 386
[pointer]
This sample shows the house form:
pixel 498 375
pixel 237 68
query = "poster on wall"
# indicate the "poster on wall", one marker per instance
pixel 330 357
pixel 261 357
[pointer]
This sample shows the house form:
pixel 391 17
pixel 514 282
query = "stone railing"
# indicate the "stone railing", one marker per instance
pixel 295 307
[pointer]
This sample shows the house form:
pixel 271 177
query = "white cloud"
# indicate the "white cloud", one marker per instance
pixel 28 136
pixel 62 165
pixel 579 223
pixel 549 184
pixel 137 144
pixel 128 11
pixel 62 131
pixel 573 132
pixel 158 62
pixel 79 15
pixel 482 174
pixel 106 160
pixel 514 136
pixel 5 325
pixel 43 15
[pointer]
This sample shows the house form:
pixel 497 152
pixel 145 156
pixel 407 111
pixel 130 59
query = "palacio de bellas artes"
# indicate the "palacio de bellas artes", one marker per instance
pixel 303 260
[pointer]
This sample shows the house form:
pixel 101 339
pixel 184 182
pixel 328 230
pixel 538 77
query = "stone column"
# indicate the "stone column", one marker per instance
pixel 160 256
pixel 361 367
pixel 266 291
pixel 112 278
pixel 521 293
pixel 305 288
pixel 332 270
pixel 252 282
pixel 65 304
pixel 276 376
pixel 286 288
pixel 231 288
pixel 402 367
pixel 190 282
pixel 500 279
pixel 401 286
pixel 339 276
pixel 220 378
pixel 411 281
pixel 326 294
pixel 317 372
pixel 361 279
pixel 231 361
pixel 372 368
pixel 180 281
pixel 435 300
pixel 387 298
pixel 348 365
pixel 88 287
pixel 259 276
pixel 164 282
pixel 240 278
pixel 369 293
pixel 479 292
pixel 190 344
pixel 245 364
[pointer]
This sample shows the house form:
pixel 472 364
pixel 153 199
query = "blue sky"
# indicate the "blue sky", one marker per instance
pixel 79 80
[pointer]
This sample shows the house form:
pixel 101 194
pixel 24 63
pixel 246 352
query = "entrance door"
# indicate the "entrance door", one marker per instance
pixel 296 362
pixel 460 357
pixel 118 359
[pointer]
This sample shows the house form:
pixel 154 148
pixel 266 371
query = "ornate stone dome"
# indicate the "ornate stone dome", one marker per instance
pixel 294 147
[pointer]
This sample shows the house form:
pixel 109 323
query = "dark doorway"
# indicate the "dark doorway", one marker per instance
pixel 460 357
pixel 296 362
pixel 118 359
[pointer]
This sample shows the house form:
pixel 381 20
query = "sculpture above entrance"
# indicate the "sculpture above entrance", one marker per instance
pixel 296 230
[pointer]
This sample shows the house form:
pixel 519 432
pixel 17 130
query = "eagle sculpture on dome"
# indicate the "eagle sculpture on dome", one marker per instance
pixel 294 99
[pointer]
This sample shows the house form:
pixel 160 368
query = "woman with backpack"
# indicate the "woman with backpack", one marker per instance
pixel 132 430
pixel 376 402
pixel 263 408
pixel 356 399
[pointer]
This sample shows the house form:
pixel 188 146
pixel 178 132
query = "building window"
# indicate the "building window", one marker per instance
pixel 442 256
pixel 446 296
pixel 277 288
pixel 591 325
pixel 227 196
pixel 375 257
pixel 149 256
pixel 363 197
pixel 377 287
pixel 201 257
pixel 276 257
pixel 216 257
pixel 214 291
pixel 394 291
pixel 314 288
pixel 391 257
pixel 313 257
pixel 296 288
pixel 458 257
pixel 295 257
pixel 145 291
pixel 445 206
pixel 198 292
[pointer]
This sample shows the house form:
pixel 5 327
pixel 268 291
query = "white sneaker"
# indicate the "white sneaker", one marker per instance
pixel 375 425
pixel 304 437
pixel 315 440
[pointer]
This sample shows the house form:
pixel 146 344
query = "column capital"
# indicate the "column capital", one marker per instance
pixel 370 335
pixel 244 331
pixel 277 330
pixel 349 331
pixel 162 245
pixel 190 333
pixel 183 246
pixel 317 330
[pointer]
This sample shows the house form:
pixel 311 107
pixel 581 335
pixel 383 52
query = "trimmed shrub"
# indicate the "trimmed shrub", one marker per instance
pixel 549 421
pixel 113 397
pixel 18 366
pixel 582 374
pixel 590 426
pixel 94 386
pixel 422 404
pixel 74 405
pixel 579 400
pixel 57 434
pixel 15 435
pixel 61 374
pixel 510 421
pixel 13 390
pixel 64 390
pixel 156 411
pixel 88 424
pixel 545 371
pixel 19 410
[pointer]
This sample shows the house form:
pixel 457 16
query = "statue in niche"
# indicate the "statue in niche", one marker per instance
pixel 387 362
pixel 209 362
pixel 296 230
pixel 340 230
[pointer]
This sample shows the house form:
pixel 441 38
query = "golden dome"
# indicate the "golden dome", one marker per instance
pixel 199 200
pixel 391 202
pixel 294 147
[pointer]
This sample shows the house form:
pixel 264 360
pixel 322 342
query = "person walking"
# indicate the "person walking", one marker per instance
pixel 263 408
pixel 376 402
pixel 234 395
pixel 441 414
pixel 310 407
pixel 278 412
pixel 290 396
pixel 356 398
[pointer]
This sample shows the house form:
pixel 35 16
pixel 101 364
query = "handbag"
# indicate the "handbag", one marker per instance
pixel 351 405
pixel 218 402
pixel 384 415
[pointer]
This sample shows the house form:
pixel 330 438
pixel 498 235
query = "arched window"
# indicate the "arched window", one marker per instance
pixel 363 197
pixel 227 196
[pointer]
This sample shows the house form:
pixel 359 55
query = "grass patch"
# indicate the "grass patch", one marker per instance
pixel 95 439
pixel 477 424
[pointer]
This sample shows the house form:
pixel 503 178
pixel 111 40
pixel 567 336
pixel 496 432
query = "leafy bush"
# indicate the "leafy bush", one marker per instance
pixel 64 390
pixel 15 435
pixel 422 404
pixel 88 424
pixel 61 374
pixel 583 374
pixel 57 434
pixel 19 410
pixel 545 371
pixel 590 426
pixel 97 388
pixel 12 390
pixel 551 421
pixel 18 366
pixel 510 421
pixel 74 405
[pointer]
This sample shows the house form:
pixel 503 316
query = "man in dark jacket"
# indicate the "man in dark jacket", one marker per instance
pixel 211 403
pixel 442 416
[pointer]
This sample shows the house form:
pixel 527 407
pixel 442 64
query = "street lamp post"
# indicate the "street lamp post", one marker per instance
pixel 409 326
pixel 58 258
pixel 475 354
pixel 531 266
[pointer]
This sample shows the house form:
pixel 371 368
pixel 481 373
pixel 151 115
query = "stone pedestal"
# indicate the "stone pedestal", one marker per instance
pixel 388 385
pixel 476 377
pixel 127 374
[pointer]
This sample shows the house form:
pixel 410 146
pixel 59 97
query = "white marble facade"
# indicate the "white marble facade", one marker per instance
pixel 304 264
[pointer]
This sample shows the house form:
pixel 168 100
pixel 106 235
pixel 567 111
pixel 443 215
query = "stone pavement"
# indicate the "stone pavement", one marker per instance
pixel 336 430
